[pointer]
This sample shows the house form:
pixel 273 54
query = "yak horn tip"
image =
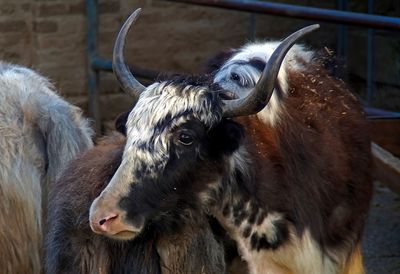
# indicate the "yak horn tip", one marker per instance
pixel 313 27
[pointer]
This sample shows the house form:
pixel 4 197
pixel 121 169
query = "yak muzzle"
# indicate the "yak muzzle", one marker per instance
pixel 107 219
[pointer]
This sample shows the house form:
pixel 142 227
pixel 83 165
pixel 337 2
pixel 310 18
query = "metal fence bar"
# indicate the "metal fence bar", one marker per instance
pixel 252 27
pixel 342 45
pixel 93 73
pixel 302 12
pixel 343 29
pixel 370 58
pixel 100 64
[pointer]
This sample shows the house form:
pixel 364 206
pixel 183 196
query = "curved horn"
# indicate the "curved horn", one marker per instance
pixel 259 96
pixel 121 70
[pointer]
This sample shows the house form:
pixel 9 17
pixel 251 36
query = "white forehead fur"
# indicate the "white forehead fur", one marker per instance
pixel 147 146
pixel 295 59
pixel 162 99
pixel 159 102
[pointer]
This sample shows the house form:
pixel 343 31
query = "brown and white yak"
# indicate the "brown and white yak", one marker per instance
pixel 180 245
pixel 293 192
pixel 39 134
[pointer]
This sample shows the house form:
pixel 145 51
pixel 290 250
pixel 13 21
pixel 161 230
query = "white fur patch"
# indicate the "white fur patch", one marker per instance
pixel 298 255
pixel 249 75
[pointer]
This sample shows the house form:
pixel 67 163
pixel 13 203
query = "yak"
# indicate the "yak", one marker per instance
pixel 293 192
pixel 39 133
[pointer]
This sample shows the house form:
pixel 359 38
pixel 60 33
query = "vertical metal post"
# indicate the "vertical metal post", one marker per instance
pixel 342 39
pixel 370 58
pixel 252 27
pixel 93 74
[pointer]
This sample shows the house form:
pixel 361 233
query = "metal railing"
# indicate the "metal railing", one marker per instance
pixel 302 12
pixel 97 64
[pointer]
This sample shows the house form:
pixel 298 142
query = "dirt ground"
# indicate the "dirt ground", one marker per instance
pixel 381 242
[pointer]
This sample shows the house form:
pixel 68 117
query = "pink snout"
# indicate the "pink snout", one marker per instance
pixel 111 221
pixel 106 224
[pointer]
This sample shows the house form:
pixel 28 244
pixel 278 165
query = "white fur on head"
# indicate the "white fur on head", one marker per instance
pixel 161 107
pixel 239 75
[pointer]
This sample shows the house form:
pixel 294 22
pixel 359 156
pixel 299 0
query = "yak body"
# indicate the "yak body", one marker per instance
pixel 308 189
pixel 186 245
pixel 308 110
pixel 39 134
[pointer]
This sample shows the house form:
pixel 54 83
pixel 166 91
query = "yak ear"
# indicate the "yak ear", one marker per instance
pixel 227 136
pixel 216 62
pixel 120 122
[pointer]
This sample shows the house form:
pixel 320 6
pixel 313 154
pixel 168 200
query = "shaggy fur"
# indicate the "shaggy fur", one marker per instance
pixel 71 247
pixel 39 134
pixel 306 71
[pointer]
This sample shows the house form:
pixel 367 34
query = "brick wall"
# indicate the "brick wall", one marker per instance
pixel 50 36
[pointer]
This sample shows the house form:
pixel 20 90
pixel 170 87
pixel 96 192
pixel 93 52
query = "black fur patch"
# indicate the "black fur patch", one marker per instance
pixel 258 241
pixel 246 232
pixel 226 211
pixel 282 233
pixel 242 215
pixel 257 63
pixel 253 215
pixel 120 122
pixel 227 136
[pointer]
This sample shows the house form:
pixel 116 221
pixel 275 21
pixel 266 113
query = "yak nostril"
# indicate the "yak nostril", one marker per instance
pixel 107 219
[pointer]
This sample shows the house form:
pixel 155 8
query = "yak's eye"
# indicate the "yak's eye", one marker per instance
pixel 235 77
pixel 185 139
